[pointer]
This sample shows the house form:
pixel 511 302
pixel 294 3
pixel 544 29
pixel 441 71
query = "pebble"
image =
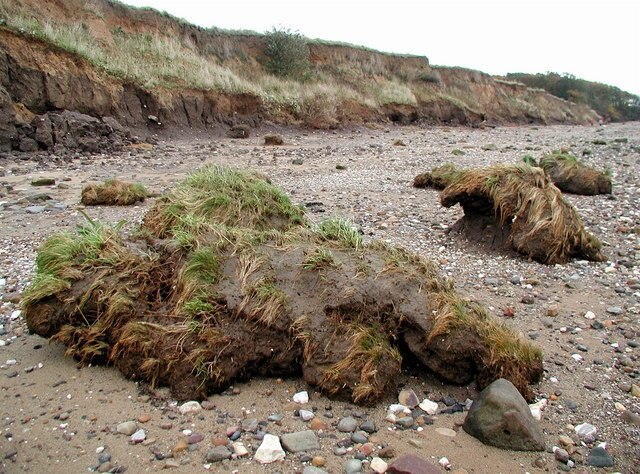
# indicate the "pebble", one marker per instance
pixel 139 436
pixel 306 415
pixel 127 428
pixel 635 390
pixel 368 426
pixel 586 432
pixel 446 432
pixel 347 424
pixel 429 407
pixel 560 454
pixel 353 466
pixel 359 437
pixel 615 310
pixel 379 466
pixel 217 454
pixel 408 398
pixel 301 397
pixel 270 450
pixel 189 407
pixel 599 457
pixel 318 461
pixel 239 449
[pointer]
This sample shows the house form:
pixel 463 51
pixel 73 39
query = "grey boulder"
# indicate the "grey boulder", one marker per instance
pixel 501 417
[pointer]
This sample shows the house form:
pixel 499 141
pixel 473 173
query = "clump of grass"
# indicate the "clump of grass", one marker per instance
pixel 113 193
pixel 489 147
pixel 223 197
pixel 457 152
pixel 266 302
pixel 320 258
pixel 599 142
pixel 530 160
pixel 340 231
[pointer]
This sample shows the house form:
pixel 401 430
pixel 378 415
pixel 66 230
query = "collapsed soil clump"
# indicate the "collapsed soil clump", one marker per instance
pixel 572 176
pixel 438 178
pixel 524 205
pixel 113 193
pixel 226 279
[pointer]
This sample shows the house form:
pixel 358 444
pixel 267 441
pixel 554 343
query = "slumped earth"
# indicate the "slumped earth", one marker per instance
pixel 583 315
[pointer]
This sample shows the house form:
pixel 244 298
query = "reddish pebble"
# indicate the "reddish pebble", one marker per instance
pixel 195 438
pixel 220 441
pixel 166 425
pixel 367 449
pixel 144 418
pixel 231 430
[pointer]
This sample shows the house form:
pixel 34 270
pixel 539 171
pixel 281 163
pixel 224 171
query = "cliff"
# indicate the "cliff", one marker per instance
pixel 148 69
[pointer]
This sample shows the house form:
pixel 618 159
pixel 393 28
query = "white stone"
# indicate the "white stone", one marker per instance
pixel 306 415
pixel 397 407
pixel 586 431
pixel 139 436
pixel 270 450
pixel 378 465
pixel 3 342
pixel 444 462
pixel 15 314
pixel 189 407
pixel 620 407
pixel 239 450
pixel 429 407
pixel 589 315
pixel 576 357
pixel 536 408
pixel 301 397
pixel 99 449
pixel 11 362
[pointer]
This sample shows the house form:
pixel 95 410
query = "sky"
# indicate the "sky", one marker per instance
pixel 593 40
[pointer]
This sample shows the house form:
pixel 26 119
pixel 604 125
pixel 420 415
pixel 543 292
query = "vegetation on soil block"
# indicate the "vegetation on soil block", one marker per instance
pixel 225 261
pixel 570 175
pixel 113 193
pixel 541 224
pixel 438 178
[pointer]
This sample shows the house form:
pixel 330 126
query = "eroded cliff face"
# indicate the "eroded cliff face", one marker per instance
pixel 37 77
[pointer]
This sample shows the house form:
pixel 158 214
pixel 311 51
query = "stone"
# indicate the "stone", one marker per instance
pixel 405 422
pixel 615 310
pixel 138 437
pixel 306 415
pixel 429 407
pixel 35 209
pixel 408 398
pixel 586 431
pixel 239 449
pixel 560 454
pixel 270 450
pixel 501 417
pixel 630 417
pixel 368 426
pixel 43 182
pixel 635 390
pixel 300 441
pixel 313 470
pixel 387 452
pixel 359 437
pixel 189 407
pixel 599 457
pixel 127 428
pixel 217 454
pixel 565 440
pixel 347 424
pixel 249 425
pixel 378 465
pixel 317 424
pixel 411 464
pixel 353 466
pixel 301 397
pixel 195 438
pixel 446 432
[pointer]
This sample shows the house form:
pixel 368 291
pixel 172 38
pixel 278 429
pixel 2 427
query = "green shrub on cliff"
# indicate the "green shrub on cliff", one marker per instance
pixel 288 54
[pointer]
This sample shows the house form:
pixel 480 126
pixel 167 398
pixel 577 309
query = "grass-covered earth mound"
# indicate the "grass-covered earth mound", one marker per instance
pixel 570 175
pixel 438 178
pixel 527 208
pixel 226 279
pixel 113 193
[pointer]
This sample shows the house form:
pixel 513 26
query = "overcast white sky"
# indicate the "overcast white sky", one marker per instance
pixel 594 40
